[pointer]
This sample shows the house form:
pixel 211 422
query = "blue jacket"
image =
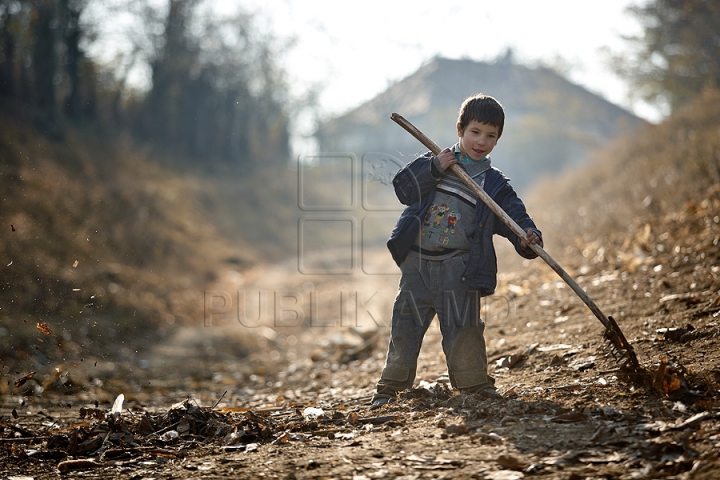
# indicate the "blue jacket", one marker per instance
pixel 415 186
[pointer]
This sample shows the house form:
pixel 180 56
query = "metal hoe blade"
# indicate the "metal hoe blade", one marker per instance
pixel 620 349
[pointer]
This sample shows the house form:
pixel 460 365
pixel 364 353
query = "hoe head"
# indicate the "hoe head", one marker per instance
pixel 620 348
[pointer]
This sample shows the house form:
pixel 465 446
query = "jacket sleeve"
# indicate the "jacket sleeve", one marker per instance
pixel 417 179
pixel 509 201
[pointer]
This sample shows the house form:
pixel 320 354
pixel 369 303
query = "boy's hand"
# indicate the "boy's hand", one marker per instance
pixel 446 158
pixel 532 237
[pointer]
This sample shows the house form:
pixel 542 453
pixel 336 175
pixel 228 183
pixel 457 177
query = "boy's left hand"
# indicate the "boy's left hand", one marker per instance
pixel 532 237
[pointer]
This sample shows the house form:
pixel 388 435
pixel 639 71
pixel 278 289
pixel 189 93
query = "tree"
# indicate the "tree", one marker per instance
pixel 9 47
pixel 678 53
pixel 217 91
pixel 41 59
pixel 44 57
pixel 80 101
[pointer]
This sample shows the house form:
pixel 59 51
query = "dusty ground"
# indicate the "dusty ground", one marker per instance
pixel 297 406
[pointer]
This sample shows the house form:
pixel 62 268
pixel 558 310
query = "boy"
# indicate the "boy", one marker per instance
pixel 442 243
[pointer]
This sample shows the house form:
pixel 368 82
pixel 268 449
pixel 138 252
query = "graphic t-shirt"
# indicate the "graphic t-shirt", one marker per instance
pixel 449 223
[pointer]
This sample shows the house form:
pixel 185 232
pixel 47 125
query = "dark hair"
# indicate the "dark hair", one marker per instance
pixel 484 109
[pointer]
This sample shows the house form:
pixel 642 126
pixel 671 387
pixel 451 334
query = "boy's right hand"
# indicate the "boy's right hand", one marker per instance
pixel 446 158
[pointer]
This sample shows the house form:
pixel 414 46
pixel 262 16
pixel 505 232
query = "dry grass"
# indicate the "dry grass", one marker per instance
pixel 654 174
pixel 96 234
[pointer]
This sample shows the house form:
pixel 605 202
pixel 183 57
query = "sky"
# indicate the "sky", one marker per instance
pixel 355 50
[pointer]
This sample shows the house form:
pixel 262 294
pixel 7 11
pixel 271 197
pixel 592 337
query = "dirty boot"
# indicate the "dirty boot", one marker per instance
pixel 380 401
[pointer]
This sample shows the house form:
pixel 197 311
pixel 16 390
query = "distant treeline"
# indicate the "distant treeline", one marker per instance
pixel 214 89
pixel 677 54
pixel 215 93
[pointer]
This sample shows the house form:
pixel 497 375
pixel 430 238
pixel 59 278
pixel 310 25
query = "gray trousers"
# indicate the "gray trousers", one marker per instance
pixel 427 288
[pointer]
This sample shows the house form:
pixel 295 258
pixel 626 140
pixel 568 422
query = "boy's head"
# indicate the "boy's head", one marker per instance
pixel 483 109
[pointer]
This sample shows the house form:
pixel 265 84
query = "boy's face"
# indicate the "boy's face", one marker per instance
pixel 478 139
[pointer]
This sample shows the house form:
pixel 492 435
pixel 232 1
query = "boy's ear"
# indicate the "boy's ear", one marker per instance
pixel 459 130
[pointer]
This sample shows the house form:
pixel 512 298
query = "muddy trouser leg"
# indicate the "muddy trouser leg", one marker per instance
pixel 411 317
pixel 458 310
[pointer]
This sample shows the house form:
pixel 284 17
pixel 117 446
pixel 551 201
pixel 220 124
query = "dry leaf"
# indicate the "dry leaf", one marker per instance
pixel 671 384
pixel 234 409
pixel 353 418
pixel 21 381
pixel 43 327
pixel 282 439
pixel 667 379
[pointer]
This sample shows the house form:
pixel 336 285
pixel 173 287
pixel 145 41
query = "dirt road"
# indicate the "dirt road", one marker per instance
pixel 279 388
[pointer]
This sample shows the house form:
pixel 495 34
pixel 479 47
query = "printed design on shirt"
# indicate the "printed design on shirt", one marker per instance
pixel 452 220
pixel 438 222
pixel 441 224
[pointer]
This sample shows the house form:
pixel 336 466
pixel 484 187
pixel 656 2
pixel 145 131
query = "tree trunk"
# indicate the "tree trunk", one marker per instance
pixel 44 59
pixel 7 65
pixel 70 16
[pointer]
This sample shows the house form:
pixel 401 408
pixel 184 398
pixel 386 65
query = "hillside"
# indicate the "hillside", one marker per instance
pixel 662 175
pixel 107 247
pixel 551 123
pixel 639 227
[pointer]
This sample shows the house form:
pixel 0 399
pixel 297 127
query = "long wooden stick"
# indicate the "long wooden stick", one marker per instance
pixel 621 343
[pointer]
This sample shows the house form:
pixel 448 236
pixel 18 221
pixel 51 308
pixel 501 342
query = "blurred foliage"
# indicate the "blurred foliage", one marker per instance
pixel 678 53
pixel 113 249
pixel 42 64
pixel 91 227
pixel 217 95
pixel 130 200
pixel 216 89
pixel 108 246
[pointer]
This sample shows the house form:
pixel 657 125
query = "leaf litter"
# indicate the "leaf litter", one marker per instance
pixel 568 410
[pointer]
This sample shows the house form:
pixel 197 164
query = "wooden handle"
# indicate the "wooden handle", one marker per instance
pixel 467 179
